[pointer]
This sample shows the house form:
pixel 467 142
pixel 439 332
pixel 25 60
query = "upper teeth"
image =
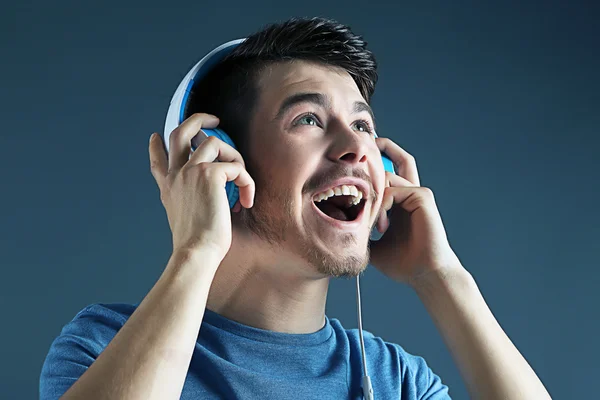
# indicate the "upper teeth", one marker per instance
pixel 342 190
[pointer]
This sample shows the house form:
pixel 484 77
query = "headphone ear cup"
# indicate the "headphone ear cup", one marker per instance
pixel 388 165
pixel 230 188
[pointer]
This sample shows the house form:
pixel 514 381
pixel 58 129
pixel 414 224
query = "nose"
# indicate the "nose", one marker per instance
pixel 349 147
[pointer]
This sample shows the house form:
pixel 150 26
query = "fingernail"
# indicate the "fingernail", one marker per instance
pixel 151 137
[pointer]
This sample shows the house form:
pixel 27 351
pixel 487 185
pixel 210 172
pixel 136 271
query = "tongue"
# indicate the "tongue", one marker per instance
pixel 332 211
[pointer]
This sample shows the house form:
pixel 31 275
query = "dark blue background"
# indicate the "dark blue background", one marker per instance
pixel 498 103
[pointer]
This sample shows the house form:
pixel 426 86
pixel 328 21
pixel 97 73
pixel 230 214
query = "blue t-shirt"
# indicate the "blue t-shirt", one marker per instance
pixel 235 361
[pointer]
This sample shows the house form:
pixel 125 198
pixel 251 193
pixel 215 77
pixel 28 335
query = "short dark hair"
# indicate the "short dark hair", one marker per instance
pixel 230 89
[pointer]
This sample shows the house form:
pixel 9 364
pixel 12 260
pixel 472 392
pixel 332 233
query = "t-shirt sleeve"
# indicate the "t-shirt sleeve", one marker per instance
pixel 76 348
pixel 422 380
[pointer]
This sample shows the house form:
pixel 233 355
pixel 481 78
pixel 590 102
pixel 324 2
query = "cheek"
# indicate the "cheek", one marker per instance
pixel 274 181
pixel 296 164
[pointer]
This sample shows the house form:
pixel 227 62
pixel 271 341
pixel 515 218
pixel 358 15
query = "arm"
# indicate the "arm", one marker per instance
pixel 489 363
pixel 416 251
pixel 150 355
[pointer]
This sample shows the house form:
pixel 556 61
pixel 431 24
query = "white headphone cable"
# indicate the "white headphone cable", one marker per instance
pixel 366 381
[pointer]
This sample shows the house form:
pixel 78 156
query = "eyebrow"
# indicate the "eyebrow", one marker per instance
pixel 321 100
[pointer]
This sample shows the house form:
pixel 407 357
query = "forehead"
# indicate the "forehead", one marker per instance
pixel 280 80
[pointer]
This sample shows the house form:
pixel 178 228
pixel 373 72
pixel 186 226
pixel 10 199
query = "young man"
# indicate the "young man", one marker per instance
pixel 239 312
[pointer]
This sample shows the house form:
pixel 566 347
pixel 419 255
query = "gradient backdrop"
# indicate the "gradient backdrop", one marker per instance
pixel 498 103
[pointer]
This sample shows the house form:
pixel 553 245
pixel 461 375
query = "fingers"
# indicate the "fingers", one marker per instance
pixel 394 180
pixel 410 198
pixel 231 165
pixel 213 149
pixel 383 221
pixel 391 196
pixel 158 159
pixel 234 171
pixel 407 165
pixel 181 138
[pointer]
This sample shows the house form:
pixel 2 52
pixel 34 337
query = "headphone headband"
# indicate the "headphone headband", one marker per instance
pixel 179 100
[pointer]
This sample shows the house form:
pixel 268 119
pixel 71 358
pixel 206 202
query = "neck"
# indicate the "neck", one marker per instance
pixel 262 290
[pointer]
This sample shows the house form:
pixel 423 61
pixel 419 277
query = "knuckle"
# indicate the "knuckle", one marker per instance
pixel 209 141
pixel 198 115
pixel 174 136
pixel 154 163
pixel 203 168
pixel 164 196
pixel 427 192
pixel 207 170
pixel 175 132
pixel 202 115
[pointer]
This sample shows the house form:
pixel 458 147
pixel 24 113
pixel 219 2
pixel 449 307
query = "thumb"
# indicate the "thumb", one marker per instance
pixel 158 159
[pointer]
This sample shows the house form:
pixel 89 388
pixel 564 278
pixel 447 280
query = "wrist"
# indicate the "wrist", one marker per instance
pixel 203 258
pixel 439 278
pixel 189 275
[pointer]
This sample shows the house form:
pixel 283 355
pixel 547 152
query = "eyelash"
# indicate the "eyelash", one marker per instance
pixel 367 124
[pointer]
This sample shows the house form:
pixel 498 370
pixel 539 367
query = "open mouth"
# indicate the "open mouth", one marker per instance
pixel 341 208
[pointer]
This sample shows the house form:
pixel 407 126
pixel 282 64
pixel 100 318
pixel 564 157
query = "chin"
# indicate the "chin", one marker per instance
pixel 343 262
pixel 347 271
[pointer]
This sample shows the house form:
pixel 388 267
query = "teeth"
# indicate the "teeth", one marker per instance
pixel 343 190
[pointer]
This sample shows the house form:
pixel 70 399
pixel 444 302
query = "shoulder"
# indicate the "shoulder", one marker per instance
pixel 93 327
pixel 97 321
pixel 78 345
pixel 108 313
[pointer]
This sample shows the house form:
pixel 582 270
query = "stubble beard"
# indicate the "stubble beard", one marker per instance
pixel 271 218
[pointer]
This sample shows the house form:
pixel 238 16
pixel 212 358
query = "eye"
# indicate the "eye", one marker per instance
pixel 307 119
pixel 366 126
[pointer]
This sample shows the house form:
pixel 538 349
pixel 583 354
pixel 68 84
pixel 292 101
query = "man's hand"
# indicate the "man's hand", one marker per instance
pixel 415 243
pixel 192 188
pixel 415 250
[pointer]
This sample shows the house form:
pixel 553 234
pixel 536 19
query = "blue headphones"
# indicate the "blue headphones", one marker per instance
pixel 175 114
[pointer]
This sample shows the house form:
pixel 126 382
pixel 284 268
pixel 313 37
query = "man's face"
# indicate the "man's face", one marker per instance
pixel 309 132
